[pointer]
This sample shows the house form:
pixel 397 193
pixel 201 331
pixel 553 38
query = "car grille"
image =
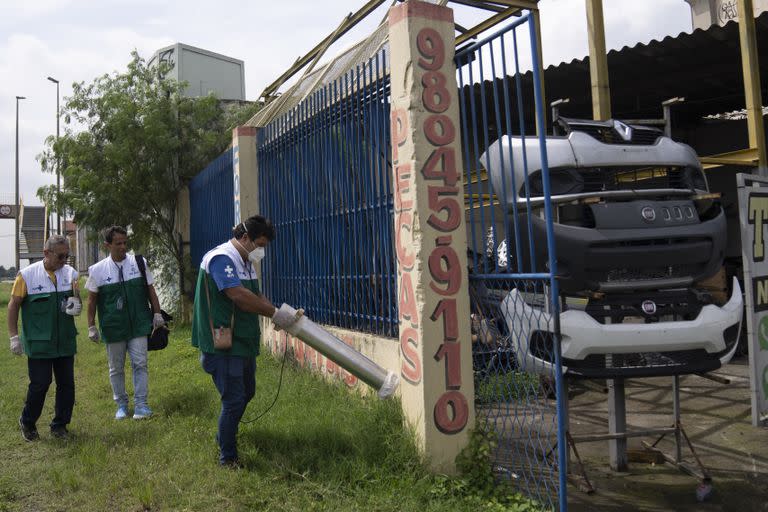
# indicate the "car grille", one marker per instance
pixel 611 179
pixel 618 308
pixel 629 274
pixel 607 135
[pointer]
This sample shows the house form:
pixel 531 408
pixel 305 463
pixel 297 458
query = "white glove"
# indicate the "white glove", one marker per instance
pixel 93 333
pixel 16 347
pixel 285 317
pixel 74 306
pixel 157 321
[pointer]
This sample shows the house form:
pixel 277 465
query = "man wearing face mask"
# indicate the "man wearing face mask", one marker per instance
pixel 227 304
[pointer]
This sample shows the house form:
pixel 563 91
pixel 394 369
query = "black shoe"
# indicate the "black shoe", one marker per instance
pixel 27 432
pixel 231 464
pixel 60 432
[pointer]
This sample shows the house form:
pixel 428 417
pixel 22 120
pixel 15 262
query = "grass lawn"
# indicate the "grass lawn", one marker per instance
pixel 319 448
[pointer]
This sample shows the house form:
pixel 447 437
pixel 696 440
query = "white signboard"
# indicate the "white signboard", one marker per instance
pixel 753 216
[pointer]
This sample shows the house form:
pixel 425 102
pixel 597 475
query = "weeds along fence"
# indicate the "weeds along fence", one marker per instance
pixel 324 180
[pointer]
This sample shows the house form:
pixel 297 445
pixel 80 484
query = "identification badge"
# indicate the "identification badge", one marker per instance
pixel 119 304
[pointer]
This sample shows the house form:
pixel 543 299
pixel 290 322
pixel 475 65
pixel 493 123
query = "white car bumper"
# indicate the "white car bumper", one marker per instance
pixel 582 335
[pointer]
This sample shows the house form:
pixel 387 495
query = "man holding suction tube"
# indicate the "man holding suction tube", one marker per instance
pixel 225 328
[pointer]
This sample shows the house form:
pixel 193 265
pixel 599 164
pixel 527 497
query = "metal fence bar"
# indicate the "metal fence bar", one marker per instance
pixel 513 291
pixel 330 157
pixel 211 206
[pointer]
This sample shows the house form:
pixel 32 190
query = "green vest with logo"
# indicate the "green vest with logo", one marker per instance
pixel 246 333
pixel 46 330
pixel 123 303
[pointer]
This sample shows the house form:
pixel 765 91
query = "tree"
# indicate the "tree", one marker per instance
pixel 131 141
pixel 3 272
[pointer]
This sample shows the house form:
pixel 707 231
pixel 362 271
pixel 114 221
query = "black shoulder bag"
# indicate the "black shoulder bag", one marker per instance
pixel 157 339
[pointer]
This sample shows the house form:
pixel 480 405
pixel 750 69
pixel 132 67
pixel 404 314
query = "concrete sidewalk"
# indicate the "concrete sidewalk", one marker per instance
pixel 716 418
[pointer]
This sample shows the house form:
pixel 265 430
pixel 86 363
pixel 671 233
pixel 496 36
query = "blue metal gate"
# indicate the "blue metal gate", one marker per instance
pixel 513 290
pixel 324 181
pixel 211 201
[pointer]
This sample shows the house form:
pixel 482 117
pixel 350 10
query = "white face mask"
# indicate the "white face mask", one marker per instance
pixel 256 255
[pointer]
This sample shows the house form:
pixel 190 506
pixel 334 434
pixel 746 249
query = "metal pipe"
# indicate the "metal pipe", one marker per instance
pixel 384 381
pixel 18 208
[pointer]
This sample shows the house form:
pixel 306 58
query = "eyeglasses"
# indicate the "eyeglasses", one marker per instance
pixel 62 256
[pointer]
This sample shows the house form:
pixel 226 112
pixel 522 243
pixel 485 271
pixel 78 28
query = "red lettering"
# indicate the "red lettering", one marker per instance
pixel 407 300
pixel 430 45
pixel 435 96
pixel 402 186
pixel 399 128
pixel 447 309
pixel 457 420
pixel 449 204
pixel 452 355
pixel 411 367
pixel 439 129
pixel 450 275
pixel 441 165
pixel 403 223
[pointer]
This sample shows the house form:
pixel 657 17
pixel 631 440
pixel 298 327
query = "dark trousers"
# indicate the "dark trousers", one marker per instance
pixel 235 380
pixel 40 372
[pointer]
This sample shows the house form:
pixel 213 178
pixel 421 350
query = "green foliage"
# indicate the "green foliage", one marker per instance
pixel 131 141
pixel 321 448
pixel 506 386
pixel 478 483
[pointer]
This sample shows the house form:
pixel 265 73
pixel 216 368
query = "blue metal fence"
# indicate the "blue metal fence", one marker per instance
pixel 324 181
pixel 513 291
pixel 212 208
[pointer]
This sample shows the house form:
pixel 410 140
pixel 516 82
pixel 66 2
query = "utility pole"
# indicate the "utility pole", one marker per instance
pixel 58 164
pixel 18 209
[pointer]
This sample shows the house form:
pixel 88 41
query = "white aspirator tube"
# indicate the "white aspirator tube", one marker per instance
pixel 384 381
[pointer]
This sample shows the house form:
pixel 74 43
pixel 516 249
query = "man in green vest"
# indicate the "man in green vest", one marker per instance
pixel 122 297
pixel 46 294
pixel 225 326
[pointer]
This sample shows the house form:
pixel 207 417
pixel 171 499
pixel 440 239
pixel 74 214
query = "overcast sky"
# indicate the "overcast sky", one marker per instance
pixel 77 40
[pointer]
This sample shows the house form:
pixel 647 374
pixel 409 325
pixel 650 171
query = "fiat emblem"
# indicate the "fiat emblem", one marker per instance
pixel 648 213
pixel 648 307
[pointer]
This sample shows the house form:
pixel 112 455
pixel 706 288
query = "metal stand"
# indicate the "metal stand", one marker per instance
pixel 617 436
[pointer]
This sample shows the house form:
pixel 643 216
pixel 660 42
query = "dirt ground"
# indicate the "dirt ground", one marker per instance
pixel 717 419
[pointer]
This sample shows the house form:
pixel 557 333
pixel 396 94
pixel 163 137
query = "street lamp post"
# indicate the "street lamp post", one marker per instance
pixel 17 180
pixel 58 173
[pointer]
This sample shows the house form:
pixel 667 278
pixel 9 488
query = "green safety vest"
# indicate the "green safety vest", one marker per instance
pixel 123 303
pixel 46 330
pixel 246 333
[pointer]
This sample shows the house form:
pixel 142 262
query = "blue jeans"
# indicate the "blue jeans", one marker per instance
pixel 235 380
pixel 137 350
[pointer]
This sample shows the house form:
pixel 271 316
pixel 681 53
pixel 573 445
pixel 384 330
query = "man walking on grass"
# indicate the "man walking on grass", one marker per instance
pixel 46 294
pixel 117 290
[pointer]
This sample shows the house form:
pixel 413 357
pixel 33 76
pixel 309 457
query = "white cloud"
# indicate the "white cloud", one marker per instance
pixel 77 40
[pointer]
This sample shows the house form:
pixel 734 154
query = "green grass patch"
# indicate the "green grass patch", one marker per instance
pixel 319 448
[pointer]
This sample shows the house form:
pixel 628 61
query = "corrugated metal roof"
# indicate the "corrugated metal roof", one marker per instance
pixel 703 66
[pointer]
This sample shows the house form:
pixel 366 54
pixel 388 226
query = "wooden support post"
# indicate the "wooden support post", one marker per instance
pixel 598 61
pixel 750 67
pixel 617 422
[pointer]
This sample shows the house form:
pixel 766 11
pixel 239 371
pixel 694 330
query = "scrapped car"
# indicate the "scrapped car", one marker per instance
pixel 639 243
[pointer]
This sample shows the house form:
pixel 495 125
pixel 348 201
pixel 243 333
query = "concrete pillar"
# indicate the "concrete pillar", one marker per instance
pixel 431 244
pixel 245 172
